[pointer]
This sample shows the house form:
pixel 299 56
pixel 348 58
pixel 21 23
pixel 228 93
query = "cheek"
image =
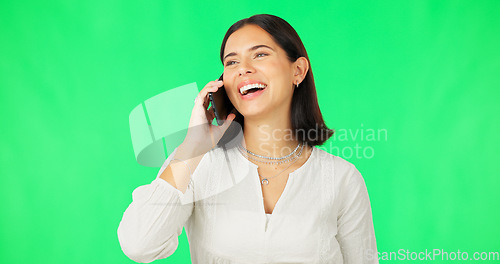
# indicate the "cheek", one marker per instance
pixel 228 83
pixel 230 93
pixel 280 76
pixel 277 70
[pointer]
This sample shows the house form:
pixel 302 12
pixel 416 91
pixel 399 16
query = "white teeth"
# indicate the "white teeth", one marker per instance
pixel 244 89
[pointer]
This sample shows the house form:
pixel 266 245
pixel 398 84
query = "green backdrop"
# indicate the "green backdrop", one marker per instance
pixel 423 75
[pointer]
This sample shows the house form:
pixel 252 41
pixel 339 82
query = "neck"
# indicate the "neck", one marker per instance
pixel 271 137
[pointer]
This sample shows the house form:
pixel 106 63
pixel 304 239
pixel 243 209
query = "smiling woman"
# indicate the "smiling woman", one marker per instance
pixel 258 199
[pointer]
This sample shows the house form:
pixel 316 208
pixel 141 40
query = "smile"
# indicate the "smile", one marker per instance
pixel 252 92
pixel 252 88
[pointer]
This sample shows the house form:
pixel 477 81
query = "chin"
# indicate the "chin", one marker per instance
pixel 254 112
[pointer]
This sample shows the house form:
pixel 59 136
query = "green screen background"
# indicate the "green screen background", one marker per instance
pixel 426 72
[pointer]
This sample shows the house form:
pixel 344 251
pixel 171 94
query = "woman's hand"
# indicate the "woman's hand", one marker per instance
pixel 202 136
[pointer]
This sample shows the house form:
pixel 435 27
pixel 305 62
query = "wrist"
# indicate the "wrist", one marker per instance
pixel 188 150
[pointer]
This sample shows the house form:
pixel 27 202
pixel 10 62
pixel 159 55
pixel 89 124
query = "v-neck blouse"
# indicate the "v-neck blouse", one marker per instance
pixel 322 216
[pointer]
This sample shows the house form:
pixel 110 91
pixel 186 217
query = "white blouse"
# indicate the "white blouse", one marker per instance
pixel 322 216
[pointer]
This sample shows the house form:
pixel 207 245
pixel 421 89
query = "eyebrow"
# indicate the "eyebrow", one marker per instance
pixel 250 49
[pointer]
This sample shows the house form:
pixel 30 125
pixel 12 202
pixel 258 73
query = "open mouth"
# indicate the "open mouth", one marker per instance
pixel 252 88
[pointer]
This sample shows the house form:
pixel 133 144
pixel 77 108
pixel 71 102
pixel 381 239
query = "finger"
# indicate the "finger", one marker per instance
pixel 213 84
pixel 228 122
pixel 202 99
pixel 206 103
pixel 210 87
pixel 212 139
pixel 210 115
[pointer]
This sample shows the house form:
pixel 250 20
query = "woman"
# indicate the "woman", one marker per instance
pixel 268 196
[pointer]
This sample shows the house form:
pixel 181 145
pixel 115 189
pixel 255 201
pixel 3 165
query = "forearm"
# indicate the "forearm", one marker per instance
pixel 150 225
pixel 178 173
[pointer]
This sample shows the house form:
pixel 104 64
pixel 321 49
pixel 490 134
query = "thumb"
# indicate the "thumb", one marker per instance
pixel 228 122
pixel 217 132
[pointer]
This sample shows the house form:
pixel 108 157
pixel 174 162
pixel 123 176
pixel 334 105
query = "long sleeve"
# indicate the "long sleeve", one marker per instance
pixel 356 234
pixel 151 224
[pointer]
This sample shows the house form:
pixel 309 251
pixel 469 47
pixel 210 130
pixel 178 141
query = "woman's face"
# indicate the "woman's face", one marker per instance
pixel 253 59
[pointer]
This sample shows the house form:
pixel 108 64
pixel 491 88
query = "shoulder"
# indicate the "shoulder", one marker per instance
pixel 340 169
pixel 339 164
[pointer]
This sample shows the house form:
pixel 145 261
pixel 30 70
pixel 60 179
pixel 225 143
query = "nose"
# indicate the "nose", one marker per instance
pixel 245 67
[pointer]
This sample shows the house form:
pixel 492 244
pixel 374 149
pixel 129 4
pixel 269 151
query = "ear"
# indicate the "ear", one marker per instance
pixel 301 67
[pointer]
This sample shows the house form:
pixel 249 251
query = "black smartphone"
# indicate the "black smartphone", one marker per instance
pixel 221 104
